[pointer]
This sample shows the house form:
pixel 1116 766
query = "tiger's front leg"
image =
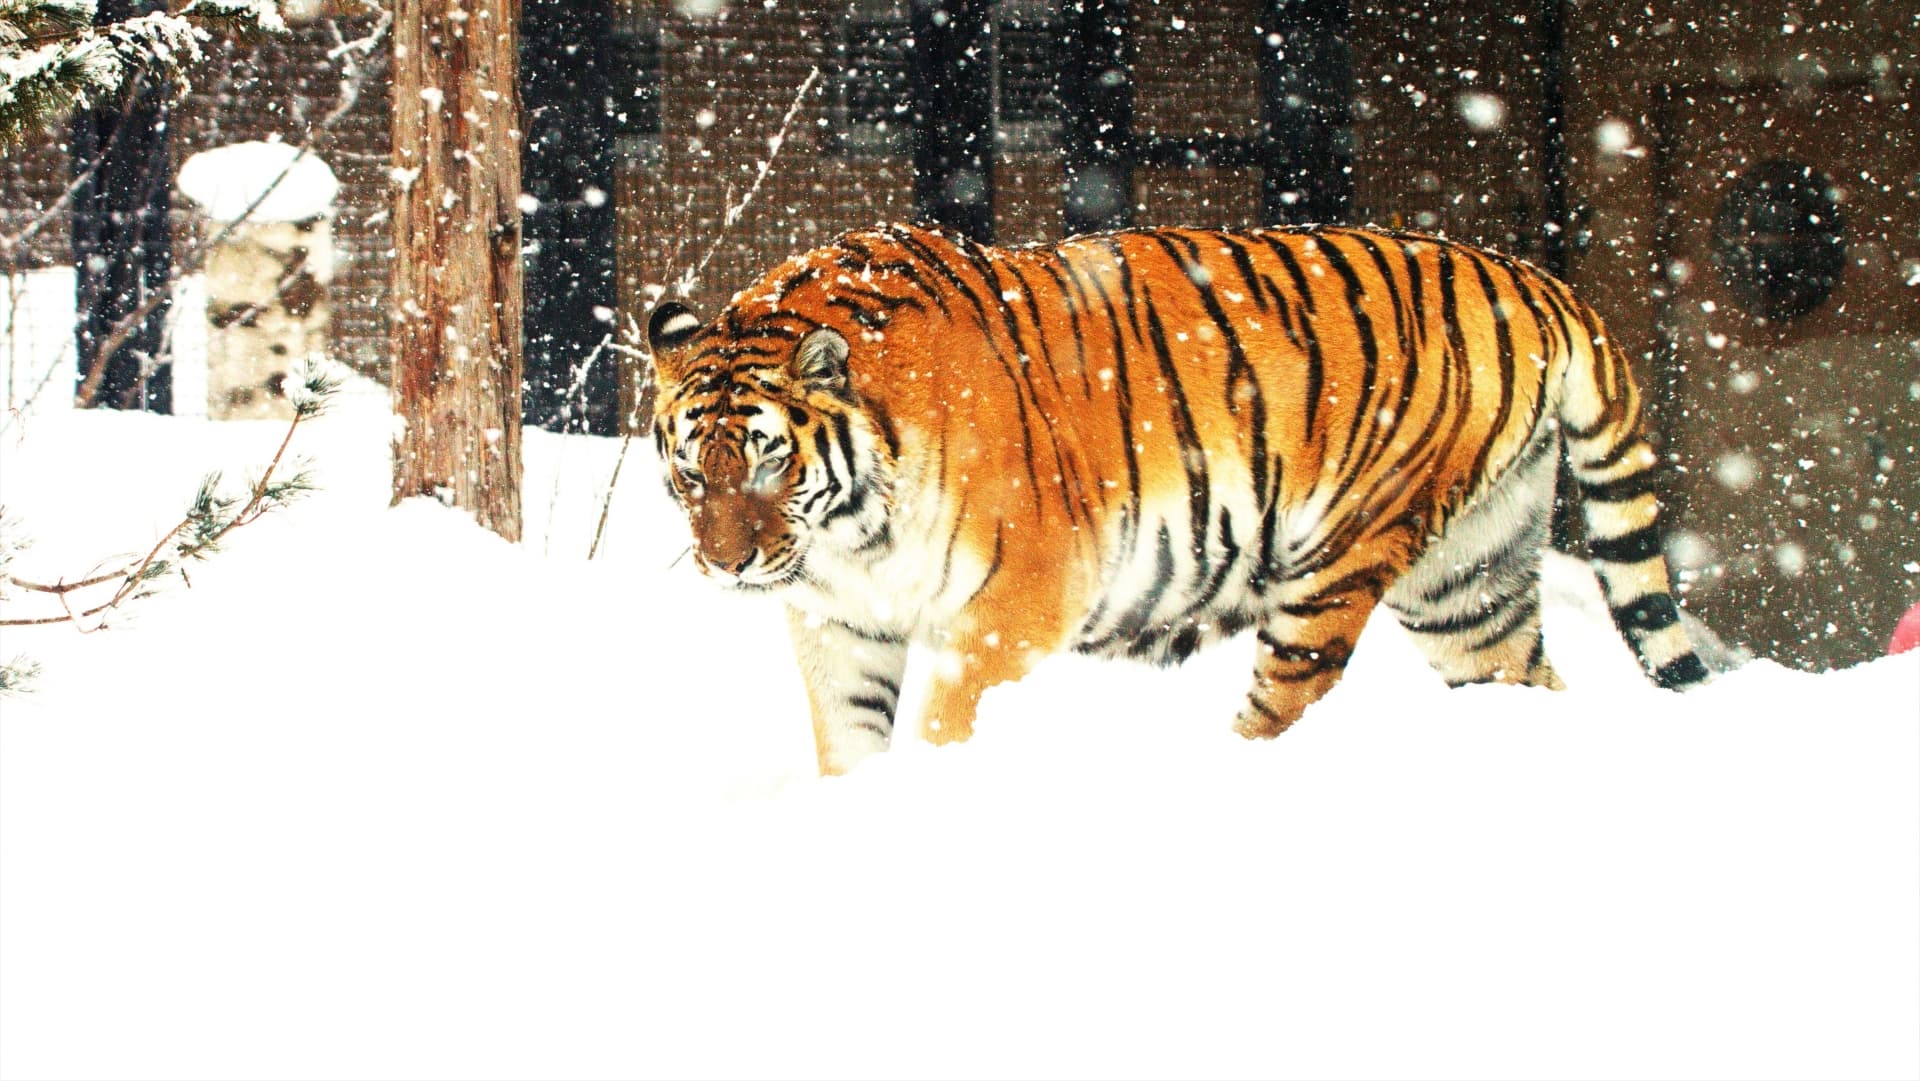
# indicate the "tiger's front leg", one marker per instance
pixel 1303 651
pixel 853 687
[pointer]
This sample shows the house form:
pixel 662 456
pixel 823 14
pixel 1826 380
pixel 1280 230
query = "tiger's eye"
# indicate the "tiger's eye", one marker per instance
pixel 767 474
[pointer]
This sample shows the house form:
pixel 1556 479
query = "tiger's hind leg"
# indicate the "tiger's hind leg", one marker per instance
pixel 1303 650
pixel 1471 602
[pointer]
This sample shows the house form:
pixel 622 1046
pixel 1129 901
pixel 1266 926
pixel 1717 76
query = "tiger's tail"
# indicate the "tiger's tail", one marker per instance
pixel 1614 468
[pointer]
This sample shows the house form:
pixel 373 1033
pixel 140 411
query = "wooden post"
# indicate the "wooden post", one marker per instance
pixel 456 320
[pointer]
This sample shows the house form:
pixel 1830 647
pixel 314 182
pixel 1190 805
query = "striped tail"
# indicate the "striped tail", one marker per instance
pixel 1614 468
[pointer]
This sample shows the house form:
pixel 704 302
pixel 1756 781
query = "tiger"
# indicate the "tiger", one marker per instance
pixel 1136 443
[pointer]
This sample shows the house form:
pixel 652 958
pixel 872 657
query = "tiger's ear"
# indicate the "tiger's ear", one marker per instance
pixel 667 329
pixel 672 324
pixel 821 360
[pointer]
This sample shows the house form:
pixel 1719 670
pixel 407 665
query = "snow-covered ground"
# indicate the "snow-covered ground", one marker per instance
pixel 382 796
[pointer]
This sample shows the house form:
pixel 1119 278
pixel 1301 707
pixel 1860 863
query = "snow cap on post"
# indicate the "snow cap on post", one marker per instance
pixel 227 181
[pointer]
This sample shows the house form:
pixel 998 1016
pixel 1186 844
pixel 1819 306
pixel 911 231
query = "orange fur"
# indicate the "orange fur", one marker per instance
pixel 1135 443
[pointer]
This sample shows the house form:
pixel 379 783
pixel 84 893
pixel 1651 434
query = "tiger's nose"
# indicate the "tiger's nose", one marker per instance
pixel 739 566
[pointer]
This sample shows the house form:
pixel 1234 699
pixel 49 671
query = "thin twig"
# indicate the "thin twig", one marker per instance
pixel 62 587
pixel 10 244
pixel 735 211
pixel 606 504
pixel 577 393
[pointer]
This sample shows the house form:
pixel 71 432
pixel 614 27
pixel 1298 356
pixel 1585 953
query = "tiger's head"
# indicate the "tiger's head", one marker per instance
pixel 765 444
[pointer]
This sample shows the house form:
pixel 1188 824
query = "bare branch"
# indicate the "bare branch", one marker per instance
pixel 736 210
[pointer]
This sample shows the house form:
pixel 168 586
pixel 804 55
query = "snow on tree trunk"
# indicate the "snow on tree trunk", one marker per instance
pixel 456 322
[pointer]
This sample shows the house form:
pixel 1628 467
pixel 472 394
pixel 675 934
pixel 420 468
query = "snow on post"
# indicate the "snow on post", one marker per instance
pixel 268 210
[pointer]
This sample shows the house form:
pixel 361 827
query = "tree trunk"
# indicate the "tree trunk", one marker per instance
pixel 456 323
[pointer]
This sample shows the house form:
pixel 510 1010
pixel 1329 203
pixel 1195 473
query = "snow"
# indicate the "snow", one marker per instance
pixel 226 180
pixel 383 796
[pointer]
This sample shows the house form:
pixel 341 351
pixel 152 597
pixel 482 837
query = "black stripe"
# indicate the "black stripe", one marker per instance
pixel 1503 341
pixel 1456 365
pixel 1416 287
pixel 1316 363
pixel 1135 618
pixel 1123 396
pixel 1611 458
pixel 884 729
pixel 881 706
pixel 1230 551
pixel 863 261
pixel 1192 455
pixel 1681 672
pixel 1469 620
pixel 984 264
pixel 1462 576
pixel 1242 262
pixel 1063 466
pixel 1075 299
pixel 882 637
pixel 883 421
pixel 1527 608
pixel 1239 372
pixel 1621 489
pixel 796 279
pixel 1641 544
pixel 1270 523
pixel 941 266
pixel 1263 709
pixel 953 541
pixel 1647 615
pixel 1420 452
pixel 1334 654
pixel 1309 608
pixel 824 453
pixel 1401 317
pixel 993 565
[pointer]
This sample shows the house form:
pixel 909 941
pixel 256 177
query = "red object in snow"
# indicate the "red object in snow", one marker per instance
pixel 1906 634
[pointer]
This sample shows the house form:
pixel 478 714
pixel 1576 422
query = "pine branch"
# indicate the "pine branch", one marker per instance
pixel 18 674
pixel 210 517
pixel 28 22
pixel 57 60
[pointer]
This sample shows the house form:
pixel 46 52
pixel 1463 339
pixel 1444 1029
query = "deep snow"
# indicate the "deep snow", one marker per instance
pixel 383 796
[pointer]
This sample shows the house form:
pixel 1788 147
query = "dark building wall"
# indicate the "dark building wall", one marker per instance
pixel 279 85
pixel 1668 103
